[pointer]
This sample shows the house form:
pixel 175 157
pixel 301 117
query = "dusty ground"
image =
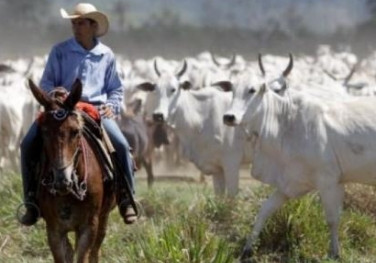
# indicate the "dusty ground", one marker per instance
pixel 187 172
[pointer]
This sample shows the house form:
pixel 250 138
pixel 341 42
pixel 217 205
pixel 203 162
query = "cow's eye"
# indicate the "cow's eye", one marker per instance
pixel 251 90
pixel 173 90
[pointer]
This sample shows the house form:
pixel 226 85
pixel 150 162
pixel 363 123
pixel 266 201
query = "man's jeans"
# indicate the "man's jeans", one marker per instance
pixel 117 138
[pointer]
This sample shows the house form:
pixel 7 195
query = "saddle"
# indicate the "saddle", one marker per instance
pixel 98 139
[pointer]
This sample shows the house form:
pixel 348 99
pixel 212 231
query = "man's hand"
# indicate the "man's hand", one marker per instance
pixel 106 111
pixel 59 93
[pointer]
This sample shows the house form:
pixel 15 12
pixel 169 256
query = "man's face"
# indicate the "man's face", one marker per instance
pixel 83 29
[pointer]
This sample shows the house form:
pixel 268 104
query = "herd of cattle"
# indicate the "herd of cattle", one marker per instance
pixel 305 122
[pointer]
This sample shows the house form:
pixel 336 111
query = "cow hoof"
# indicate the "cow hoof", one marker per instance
pixel 246 255
pixel 334 256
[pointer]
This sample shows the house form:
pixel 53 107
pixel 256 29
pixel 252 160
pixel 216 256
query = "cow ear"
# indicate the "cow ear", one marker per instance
pixel 146 86
pixel 40 95
pixel 74 96
pixel 186 85
pixel 224 85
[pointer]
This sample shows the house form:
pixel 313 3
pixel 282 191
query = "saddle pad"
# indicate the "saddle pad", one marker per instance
pixel 89 109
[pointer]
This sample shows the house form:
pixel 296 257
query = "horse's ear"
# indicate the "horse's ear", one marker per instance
pixel 74 96
pixel 39 94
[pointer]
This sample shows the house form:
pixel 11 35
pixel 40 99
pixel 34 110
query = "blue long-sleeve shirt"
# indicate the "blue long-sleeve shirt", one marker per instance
pixel 96 68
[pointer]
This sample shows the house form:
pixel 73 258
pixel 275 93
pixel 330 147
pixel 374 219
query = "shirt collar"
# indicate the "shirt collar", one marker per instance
pixel 97 50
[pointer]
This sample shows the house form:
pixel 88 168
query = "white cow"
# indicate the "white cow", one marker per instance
pixel 196 117
pixel 18 109
pixel 304 143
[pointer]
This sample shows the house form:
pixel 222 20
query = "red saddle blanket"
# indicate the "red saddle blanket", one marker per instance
pixel 89 109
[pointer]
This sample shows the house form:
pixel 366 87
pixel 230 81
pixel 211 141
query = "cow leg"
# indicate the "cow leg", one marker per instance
pixel 2 163
pixel 202 177
pixel 231 173
pixel 57 243
pixel 219 183
pixel 272 204
pixel 148 165
pixel 332 200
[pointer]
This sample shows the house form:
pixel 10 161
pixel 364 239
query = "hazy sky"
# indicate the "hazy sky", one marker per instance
pixel 314 16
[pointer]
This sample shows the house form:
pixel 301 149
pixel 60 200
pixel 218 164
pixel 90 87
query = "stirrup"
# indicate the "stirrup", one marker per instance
pixel 25 204
pixel 140 210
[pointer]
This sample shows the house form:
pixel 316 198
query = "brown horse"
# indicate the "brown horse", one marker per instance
pixel 73 195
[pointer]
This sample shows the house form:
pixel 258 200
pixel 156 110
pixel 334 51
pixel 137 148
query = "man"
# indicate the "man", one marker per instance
pixel 86 58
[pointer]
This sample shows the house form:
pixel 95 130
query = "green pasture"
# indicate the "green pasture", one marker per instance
pixel 184 222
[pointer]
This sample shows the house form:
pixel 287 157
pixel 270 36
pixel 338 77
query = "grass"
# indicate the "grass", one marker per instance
pixel 184 222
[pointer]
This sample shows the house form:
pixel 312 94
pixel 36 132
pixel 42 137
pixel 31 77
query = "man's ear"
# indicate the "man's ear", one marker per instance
pixel 186 85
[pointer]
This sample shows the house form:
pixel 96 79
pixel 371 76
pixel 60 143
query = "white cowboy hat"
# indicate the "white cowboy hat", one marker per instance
pixel 86 10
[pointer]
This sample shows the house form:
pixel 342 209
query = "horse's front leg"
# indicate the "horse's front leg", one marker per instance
pixel 86 236
pixel 94 256
pixel 57 242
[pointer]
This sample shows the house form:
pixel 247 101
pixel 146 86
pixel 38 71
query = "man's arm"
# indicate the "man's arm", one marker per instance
pixel 51 73
pixel 114 88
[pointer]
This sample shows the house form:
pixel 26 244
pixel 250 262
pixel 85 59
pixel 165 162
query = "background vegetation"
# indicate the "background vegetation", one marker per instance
pixel 184 222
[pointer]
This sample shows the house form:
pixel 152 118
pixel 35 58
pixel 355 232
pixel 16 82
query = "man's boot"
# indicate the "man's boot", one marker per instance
pixel 127 212
pixel 32 211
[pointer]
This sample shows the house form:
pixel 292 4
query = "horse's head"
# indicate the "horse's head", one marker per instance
pixel 61 128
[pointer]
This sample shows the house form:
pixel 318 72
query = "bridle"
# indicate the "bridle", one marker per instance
pixel 76 188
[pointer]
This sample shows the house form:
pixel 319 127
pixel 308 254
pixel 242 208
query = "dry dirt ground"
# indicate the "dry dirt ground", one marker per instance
pixel 187 172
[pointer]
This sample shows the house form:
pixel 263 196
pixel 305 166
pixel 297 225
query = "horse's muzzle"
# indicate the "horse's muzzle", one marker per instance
pixel 63 187
pixel 62 181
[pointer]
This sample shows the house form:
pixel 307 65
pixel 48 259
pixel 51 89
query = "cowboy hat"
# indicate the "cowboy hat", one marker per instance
pixel 86 10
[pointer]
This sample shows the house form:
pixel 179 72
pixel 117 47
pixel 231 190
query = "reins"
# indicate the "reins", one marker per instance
pixel 81 187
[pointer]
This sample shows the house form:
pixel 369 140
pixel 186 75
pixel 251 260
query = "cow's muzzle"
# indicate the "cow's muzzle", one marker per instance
pixel 229 119
pixel 158 117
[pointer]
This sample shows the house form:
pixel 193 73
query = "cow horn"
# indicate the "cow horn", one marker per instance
pixel 232 61
pixel 215 61
pixel 182 71
pixel 29 67
pixel 156 68
pixel 349 76
pixel 329 74
pixel 261 66
pixel 289 66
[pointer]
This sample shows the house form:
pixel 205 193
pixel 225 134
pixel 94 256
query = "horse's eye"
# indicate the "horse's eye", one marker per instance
pixel 74 133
